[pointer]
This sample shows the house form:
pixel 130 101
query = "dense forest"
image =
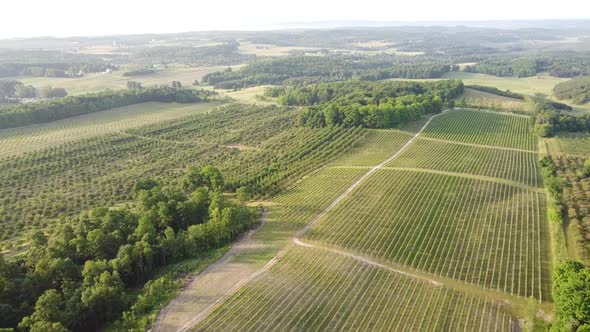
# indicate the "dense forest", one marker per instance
pixel 51 110
pixel 83 276
pixel 369 104
pixel 577 89
pixel 563 64
pixel 299 70
pixel 223 54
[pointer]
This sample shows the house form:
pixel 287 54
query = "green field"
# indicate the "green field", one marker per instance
pixel 37 137
pixel 483 232
pixel 435 233
pixel 517 166
pixel 311 290
pixel 65 167
pixel 483 128
pixel 569 143
pixel 115 80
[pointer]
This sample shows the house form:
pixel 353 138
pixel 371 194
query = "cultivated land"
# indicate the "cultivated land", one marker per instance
pixel 115 80
pixel 467 242
pixel 37 137
pixel 569 143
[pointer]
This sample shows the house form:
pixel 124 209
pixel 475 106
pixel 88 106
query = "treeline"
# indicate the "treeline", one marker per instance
pixel 224 54
pixel 571 280
pixel 13 91
pixel 81 277
pixel 549 120
pixel 369 104
pixel 514 95
pixel 566 64
pixel 51 110
pixel 302 70
pixel 577 89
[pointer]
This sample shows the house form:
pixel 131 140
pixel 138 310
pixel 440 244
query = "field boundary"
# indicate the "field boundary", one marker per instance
pixel 366 175
pixel 478 145
pixel 457 174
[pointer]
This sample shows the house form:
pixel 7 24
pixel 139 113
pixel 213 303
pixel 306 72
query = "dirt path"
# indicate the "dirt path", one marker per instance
pixel 366 175
pixel 463 175
pixel 224 278
pixel 364 260
pixel 212 286
pixel 478 145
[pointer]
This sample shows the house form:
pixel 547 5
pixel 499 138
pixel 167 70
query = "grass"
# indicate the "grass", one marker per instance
pixel 526 85
pixel 18 141
pixel 115 80
pixel 491 101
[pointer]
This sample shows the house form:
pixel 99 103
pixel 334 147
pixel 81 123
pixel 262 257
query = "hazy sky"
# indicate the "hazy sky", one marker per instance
pixel 100 17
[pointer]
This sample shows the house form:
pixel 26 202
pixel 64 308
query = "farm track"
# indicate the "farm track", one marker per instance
pixel 503 298
pixel 477 145
pixel 463 175
pixel 168 321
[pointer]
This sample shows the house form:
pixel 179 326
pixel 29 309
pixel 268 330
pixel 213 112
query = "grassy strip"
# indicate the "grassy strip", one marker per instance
pixel 162 289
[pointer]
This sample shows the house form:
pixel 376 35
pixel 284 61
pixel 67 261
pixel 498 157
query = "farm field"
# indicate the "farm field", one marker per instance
pixel 483 128
pixel 569 143
pixel 517 166
pixel 485 233
pixel 317 291
pixel 116 80
pixel 288 212
pixel 469 248
pixel 255 146
pixel 488 100
pixel 21 140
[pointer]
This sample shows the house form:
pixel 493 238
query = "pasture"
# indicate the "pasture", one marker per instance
pixel 569 143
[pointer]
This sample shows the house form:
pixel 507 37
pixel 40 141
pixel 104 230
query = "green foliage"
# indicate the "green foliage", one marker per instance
pixel 371 105
pixel 577 89
pixel 46 111
pixel 85 270
pixel 571 292
pixel 300 70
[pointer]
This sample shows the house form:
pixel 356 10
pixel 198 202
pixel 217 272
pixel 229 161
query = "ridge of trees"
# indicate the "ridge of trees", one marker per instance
pixel 62 108
pixel 369 104
pixel 80 277
pixel 577 89
pixel 301 70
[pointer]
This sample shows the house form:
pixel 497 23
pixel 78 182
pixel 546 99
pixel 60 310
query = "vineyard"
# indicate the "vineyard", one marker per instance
pixel 22 140
pixel 482 232
pixel 313 291
pixel 255 146
pixel 483 128
pixel 288 213
pixel 518 166
pixel 420 244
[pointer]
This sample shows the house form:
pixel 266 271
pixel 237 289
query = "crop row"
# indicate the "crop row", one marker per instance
pixel 100 171
pixel 377 146
pixel 483 128
pixel 483 232
pixel 17 141
pixel 511 165
pixel 311 290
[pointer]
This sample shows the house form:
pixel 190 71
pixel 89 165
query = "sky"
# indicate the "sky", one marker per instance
pixel 62 18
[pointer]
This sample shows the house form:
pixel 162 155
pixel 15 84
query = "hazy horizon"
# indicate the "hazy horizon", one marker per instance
pixel 66 18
